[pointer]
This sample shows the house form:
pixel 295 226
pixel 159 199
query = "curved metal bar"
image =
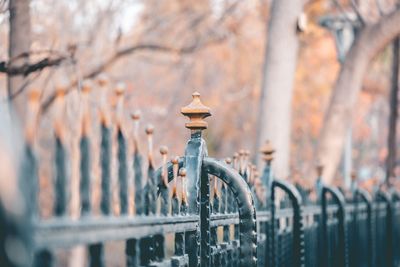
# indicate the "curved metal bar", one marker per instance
pixel 247 213
pixel 366 197
pixel 340 200
pixel 298 224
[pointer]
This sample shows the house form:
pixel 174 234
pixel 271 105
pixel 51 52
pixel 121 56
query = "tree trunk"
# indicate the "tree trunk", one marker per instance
pixel 19 43
pixel 274 115
pixel 370 40
pixel 393 102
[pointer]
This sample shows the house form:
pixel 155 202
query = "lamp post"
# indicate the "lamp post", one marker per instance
pixel 343 27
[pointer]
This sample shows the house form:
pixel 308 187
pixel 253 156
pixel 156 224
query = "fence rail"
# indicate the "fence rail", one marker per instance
pixel 219 213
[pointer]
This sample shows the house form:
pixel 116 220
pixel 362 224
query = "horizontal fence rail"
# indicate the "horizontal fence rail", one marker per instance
pixel 192 211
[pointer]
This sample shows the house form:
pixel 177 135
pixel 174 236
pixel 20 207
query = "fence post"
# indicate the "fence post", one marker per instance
pixel 197 182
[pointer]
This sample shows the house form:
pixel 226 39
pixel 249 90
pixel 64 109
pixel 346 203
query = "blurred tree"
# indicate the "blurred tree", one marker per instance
pixel 280 60
pixel 370 39
pixel 393 105
pixel 18 51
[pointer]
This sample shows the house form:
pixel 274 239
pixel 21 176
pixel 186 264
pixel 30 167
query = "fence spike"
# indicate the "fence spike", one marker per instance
pixel 58 123
pixel 32 115
pixel 175 166
pixel 104 112
pixel 119 93
pixel 164 173
pixel 135 116
pixel 149 132
pixel 182 174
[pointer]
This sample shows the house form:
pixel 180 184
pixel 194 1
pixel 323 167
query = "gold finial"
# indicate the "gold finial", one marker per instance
pixel 135 115
pixel 120 89
pixel 102 79
pixel 267 150
pixel 196 112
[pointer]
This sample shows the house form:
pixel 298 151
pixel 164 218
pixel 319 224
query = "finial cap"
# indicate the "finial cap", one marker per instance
pixel 149 129
pixel 135 115
pixel 102 79
pixel 175 160
pixel 86 86
pixel 196 111
pixel 120 89
pixel 267 150
pixel 163 150
pixel 182 172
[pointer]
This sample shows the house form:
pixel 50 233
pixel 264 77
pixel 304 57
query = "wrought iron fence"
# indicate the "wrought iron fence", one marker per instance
pixel 219 213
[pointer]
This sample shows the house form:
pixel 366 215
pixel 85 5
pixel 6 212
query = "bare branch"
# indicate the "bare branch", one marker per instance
pixel 28 68
pixel 379 6
pixel 357 11
pixel 342 10
pixel 131 50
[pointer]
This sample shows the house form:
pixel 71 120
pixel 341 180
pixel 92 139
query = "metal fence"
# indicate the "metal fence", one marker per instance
pixel 194 210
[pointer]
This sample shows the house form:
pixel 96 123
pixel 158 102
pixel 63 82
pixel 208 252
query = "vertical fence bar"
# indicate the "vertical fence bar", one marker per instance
pixel 342 231
pixel 368 201
pixel 159 239
pixel 389 233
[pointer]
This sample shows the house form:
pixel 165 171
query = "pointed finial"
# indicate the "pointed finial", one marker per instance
pixel 135 116
pixel 86 88
pixel 164 173
pixel 175 167
pixel 267 150
pixel 182 174
pixel 149 132
pixel 102 79
pixel 196 112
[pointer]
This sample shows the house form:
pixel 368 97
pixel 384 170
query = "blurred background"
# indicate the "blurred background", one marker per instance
pixel 316 78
